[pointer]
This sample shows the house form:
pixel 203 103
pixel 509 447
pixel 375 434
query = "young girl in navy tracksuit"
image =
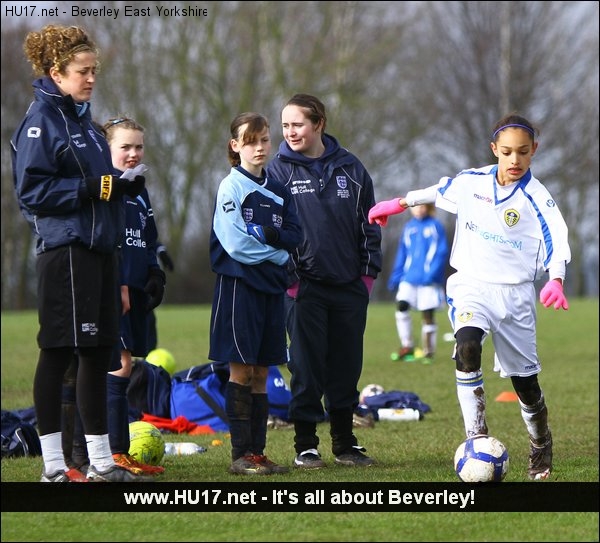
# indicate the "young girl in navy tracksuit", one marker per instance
pixel 142 284
pixel 142 290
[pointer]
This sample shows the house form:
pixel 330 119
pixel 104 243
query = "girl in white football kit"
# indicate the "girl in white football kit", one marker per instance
pixel 509 231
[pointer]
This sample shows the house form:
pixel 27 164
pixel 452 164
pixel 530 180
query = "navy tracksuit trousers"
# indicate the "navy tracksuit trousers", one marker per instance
pixel 326 325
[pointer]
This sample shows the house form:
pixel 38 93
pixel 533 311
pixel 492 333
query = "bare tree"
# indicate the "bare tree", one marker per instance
pixel 544 65
pixel 412 88
pixel 185 79
pixel 18 283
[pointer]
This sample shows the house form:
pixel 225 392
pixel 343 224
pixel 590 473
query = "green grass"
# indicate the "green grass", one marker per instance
pixel 406 451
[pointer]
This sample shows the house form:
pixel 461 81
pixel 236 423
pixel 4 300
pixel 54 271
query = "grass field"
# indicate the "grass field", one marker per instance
pixel 406 451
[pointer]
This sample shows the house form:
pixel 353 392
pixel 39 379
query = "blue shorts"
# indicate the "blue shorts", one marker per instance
pixel 247 326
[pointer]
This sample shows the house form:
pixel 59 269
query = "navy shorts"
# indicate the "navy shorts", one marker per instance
pixel 78 298
pixel 247 326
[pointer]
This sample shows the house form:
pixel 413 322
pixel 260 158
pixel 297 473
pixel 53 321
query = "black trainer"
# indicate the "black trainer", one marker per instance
pixel 309 459
pixel 354 457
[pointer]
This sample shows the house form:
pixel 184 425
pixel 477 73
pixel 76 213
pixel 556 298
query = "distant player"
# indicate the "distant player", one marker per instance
pixel 509 231
pixel 418 279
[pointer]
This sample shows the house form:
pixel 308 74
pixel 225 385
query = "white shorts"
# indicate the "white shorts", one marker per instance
pixel 421 298
pixel 508 312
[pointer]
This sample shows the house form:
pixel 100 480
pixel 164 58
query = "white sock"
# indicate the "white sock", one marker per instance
pixel 52 453
pixel 404 327
pixel 99 451
pixel 471 397
pixel 429 338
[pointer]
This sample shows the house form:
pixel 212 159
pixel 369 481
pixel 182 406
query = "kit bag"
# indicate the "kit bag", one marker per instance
pixel 19 437
pixel 198 394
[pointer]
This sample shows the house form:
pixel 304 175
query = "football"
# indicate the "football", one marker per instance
pixel 370 390
pixel 146 443
pixel 163 358
pixel 481 459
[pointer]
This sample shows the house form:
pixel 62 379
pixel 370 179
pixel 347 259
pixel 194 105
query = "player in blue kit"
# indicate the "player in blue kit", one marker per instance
pixel 418 280
pixel 509 231
pixel 255 226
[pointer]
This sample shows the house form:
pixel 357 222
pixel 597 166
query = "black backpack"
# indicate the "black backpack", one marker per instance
pixel 149 391
pixel 19 437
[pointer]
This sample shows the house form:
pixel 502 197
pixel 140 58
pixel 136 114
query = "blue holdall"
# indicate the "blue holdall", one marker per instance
pixel 279 394
pixel 198 394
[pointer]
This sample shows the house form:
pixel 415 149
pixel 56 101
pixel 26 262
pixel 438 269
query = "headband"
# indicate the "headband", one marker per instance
pixel 514 126
pixel 117 121
pixel 82 47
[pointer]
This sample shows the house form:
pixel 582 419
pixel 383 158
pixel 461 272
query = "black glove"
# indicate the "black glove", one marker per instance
pixel 111 187
pixel 165 259
pixel 155 288
pixel 134 188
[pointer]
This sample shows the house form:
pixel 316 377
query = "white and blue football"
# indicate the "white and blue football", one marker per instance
pixel 481 459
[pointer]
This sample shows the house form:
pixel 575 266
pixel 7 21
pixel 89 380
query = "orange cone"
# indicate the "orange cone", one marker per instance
pixel 507 396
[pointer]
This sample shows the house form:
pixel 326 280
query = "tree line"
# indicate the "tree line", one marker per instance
pixel 412 88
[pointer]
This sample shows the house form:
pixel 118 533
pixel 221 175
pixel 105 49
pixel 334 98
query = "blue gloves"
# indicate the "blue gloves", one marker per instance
pixel 265 234
pixel 257 231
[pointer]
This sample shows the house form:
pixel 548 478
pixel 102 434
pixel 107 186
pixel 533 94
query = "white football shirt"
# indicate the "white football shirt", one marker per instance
pixel 506 235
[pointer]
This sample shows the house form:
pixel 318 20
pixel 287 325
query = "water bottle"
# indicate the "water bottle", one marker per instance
pixel 387 413
pixel 181 449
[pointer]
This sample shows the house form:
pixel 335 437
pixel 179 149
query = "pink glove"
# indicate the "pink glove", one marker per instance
pixel 292 292
pixel 379 212
pixel 368 281
pixel 552 293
